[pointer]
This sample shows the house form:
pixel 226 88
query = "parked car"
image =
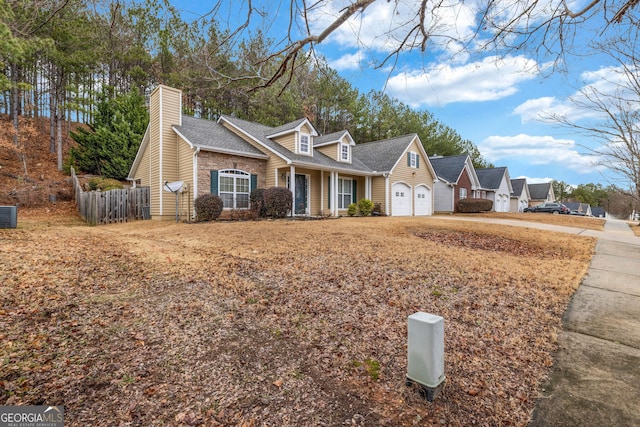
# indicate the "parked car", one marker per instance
pixel 549 207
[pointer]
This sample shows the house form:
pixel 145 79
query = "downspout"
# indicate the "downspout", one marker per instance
pixel 160 130
pixel 195 177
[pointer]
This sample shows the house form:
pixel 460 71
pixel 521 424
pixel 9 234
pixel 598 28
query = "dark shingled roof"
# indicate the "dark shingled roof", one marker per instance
pixel 490 178
pixel 518 186
pixel 208 134
pixel 449 168
pixel 381 156
pixel 539 191
pixel 260 132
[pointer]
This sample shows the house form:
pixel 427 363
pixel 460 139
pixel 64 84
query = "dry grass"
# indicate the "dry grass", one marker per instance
pixel 278 322
pixel 545 218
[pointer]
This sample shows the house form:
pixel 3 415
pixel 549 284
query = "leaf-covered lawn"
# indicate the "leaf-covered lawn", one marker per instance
pixel 278 322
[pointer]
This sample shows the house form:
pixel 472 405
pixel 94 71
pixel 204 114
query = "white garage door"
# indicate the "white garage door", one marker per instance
pixel 400 199
pixel 423 200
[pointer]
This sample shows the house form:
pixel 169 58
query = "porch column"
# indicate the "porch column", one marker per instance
pixel 292 187
pixel 321 193
pixel 275 174
pixel 334 194
pixel 367 187
pixel 387 191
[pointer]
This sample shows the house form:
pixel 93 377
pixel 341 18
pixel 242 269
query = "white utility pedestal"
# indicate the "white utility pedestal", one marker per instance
pixel 425 362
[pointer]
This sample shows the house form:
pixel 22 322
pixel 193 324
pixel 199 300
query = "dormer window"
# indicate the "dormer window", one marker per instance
pixel 305 143
pixel 345 153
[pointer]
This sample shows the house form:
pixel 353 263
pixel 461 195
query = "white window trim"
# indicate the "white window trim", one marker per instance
pixel 235 174
pixel 341 152
pixel 341 193
pixel 309 148
pixel 465 195
pixel 413 159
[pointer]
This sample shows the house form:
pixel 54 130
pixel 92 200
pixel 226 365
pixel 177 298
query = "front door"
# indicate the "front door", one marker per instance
pixel 302 195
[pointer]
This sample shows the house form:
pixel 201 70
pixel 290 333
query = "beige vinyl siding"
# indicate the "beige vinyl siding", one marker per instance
pixel 171 101
pixel 378 192
pixel 272 164
pixel 287 141
pixel 330 150
pixel 404 173
pixel 185 173
pixel 154 153
pixel 144 166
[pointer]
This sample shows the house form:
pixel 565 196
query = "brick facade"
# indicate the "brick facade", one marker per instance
pixel 208 161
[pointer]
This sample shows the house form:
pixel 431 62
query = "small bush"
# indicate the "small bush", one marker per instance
pixel 256 199
pixel 365 206
pixel 474 205
pixel 377 209
pixel 104 184
pixel 352 209
pixel 277 201
pixel 208 207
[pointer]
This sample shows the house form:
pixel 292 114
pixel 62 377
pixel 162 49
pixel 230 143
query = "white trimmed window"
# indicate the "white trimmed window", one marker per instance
pixel 463 193
pixel 345 188
pixel 234 188
pixel 413 160
pixel 305 143
pixel 345 153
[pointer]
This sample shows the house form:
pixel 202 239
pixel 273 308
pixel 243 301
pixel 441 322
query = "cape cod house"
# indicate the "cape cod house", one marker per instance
pixel 231 157
pixel 540 193
pixel 457 180
pixel 497 184
pixel 520 195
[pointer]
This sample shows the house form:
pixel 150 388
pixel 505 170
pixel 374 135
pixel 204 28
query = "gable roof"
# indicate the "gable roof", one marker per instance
pixel 382 156
pixel 518 185
pixel 539 191
pixel 490 178
pixel 212 136
pixel 332 138
pixel 259 133
pixel 291 127
pixel 449 168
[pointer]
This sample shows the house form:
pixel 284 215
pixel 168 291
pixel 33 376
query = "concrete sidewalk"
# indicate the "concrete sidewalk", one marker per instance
pixel 595 380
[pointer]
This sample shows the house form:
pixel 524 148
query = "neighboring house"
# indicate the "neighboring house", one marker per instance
pixel 579 208
pixel 231 157
pixel 541 193
pixel 497 184
pixel 457 180
pixel 598 212
pixel 520 195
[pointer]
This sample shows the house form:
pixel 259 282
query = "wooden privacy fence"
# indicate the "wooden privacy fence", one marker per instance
pixel 106 207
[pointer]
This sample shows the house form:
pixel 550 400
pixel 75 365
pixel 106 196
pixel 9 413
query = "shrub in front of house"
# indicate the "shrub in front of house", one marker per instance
pixel 377 209
pixel 352 209
pixel 277 201
pixel 365 207
pixel 208 207
pixel 104 184
pixel 256 200
pixel 474 205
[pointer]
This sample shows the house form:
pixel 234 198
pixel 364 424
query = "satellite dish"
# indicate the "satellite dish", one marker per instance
pixel 173 187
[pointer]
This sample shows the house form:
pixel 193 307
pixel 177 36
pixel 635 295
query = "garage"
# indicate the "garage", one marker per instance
pixel 401 199
pixel 422 200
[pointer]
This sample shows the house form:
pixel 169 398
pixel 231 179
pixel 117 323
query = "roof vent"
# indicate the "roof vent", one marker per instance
pixel 8 216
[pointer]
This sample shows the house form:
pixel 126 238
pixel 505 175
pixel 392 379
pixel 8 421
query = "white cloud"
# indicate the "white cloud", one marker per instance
pixel 383 25
pixel 605 82
pixel 347 62
pixel 491 79
pixel 537 150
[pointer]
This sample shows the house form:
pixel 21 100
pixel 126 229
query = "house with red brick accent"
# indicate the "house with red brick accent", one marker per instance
pixel 231 157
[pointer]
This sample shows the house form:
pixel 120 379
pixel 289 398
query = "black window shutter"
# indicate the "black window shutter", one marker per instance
pixel 254 182
pixel 214 182
pixel 417 160
pixel 409 159
pixel 354 198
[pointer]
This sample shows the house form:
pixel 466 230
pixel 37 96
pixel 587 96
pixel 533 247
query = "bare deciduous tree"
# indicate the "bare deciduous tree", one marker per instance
pixel 545 27
pixel 611 113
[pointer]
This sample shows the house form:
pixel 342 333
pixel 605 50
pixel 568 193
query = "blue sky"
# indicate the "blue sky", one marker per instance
pixel 493 101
